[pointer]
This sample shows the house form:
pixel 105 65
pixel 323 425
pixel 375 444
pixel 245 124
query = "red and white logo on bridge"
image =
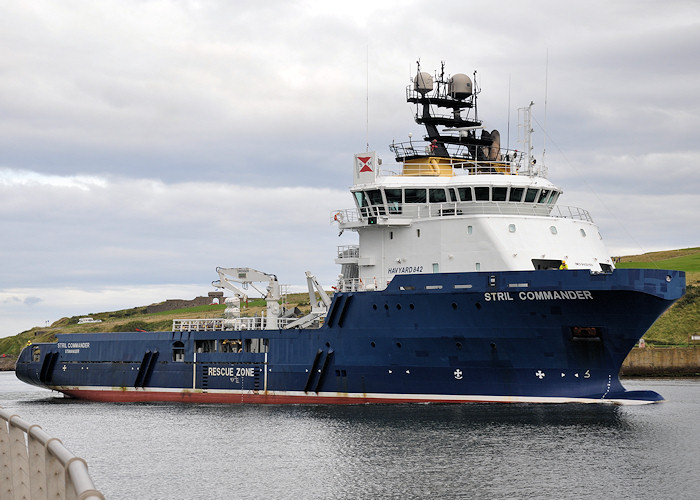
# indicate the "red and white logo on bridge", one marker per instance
pixel 364 164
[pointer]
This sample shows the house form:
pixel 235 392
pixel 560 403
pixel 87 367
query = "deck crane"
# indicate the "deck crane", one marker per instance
pixel 247 277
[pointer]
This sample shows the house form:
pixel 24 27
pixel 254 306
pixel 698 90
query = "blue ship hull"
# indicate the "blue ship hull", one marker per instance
pixel 521 336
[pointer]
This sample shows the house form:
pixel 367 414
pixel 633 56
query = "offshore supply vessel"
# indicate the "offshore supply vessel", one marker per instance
pixel 469 283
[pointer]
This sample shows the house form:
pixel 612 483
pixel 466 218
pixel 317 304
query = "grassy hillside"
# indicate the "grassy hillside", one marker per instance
pixel 682 320
pixel 673 328
pixel 686 259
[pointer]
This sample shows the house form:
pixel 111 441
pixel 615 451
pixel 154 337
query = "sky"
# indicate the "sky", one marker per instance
pixel 144 143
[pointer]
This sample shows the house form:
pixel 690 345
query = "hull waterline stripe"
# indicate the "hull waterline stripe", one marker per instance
pixel 129 394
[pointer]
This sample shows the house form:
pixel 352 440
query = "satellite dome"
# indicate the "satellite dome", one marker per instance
pixel 460 86
pixel 423 83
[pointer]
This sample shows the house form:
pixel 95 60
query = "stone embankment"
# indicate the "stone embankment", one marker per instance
pixel 7 363
pixel 662 361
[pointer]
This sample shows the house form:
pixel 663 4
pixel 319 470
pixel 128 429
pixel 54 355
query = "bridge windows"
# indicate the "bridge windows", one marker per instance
pixel 394 200
pixel 530 195
pixel 415 195
pixel 378 202
pixel 437 196
pixel 516 194
pixel 465 193
pixel 482 193
pixel 499 193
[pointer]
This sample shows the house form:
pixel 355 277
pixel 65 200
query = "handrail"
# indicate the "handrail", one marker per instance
pixel 34 465
pixel 227 324
pixel 441 210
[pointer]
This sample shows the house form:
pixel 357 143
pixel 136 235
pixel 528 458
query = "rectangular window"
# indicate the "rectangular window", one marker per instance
pixel 438 196
pixel 436 267
pixel 543 196
pixel 453 195
pixel 394 200
pixel 482 193
pixel 552 197
pixel 361 199
pixel 516 194
pixel 375 197
pixel 531 195
pixel 499 193
pixel 465 194
pixel 415 195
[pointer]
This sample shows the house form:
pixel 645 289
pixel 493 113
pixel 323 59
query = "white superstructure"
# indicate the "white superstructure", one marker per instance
pixel 479 208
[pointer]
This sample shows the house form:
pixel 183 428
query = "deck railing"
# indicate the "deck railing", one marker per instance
pixel 223 324
pixel 440 210
pixel 36 466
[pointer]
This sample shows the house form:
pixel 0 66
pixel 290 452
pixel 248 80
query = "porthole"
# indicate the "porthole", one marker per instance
pixel 583 233
pixel 459 345
pixel 398 344
pixel 454 305
pixel 511 228
pixel 553 229
pixel 374 306
pixel 328 344
pixel 478 305
pixel 411 307
pixel 373 344
pixel 398 307
pixel 386 306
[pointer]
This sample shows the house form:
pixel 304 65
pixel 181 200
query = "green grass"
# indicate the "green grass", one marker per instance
pixel 196 309
pixel 688 263
pixel 685 259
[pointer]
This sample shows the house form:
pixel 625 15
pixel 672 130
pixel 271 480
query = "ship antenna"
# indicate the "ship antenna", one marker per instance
pixel 367 100
pixel 544 139
pixel 476 92
pixel 508 119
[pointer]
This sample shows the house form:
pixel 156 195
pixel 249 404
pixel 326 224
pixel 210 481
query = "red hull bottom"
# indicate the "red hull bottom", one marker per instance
pixel 121 396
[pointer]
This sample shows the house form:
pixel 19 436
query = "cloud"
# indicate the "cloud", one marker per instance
pixel 149 142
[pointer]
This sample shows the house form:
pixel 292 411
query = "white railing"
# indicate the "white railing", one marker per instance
pixel 206 325
pixel 359 285
pixel 348 251
pixel 439 210
pixel 36 466
pixel 223 324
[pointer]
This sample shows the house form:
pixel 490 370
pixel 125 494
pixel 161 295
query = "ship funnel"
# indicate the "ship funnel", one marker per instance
pixel 460 86
pixel 423 83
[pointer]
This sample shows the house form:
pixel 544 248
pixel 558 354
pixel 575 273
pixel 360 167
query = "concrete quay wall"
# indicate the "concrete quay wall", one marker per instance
pixel 670 361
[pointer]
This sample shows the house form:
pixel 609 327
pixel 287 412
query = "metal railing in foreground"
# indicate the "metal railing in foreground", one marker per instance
pixel 34 465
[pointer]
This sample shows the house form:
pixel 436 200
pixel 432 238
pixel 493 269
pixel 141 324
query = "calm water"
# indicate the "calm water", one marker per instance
pixel 159 451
